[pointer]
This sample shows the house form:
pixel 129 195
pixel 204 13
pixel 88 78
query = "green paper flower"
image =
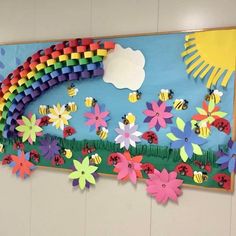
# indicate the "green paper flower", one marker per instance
pixel 29 128
pixel 83 174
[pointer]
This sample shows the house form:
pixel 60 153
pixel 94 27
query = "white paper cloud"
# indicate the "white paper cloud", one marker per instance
pixel 124 68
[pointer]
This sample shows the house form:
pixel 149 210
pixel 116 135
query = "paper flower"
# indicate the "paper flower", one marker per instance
pixel 97 117
pixel 83 174
pixel 21 165
pixel 164 186
pixel 185 139
pixel 49 148
pixel 228 159
pixel 29 128
pixel 129 168
pixel 158 115
pixel 59 116
pixel 127 135
pixel 208 113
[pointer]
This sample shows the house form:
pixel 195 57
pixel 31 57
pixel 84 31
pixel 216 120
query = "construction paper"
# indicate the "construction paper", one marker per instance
pixel 21 166
pixel 129 167
pixel 83 173
pixel 129 119
pixel 217 49
pixel 124 68
pixel 164 186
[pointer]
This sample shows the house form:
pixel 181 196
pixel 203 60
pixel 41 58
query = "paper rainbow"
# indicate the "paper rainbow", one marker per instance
pixel 67 61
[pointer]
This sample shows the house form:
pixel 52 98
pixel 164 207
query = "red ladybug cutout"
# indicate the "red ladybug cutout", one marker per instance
pixel 68 131
pixel 44 121
pixel 113 158
pixel 184 169
pixel 58 160
pixel 34 156
pixel 223 180
pixel 151 137
pixel 6 160
pixel 87 150
pixel 222 125
pixel 148 168
pixel 202 166
pixel 18 146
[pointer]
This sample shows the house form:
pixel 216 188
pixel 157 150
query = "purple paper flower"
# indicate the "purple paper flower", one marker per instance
pixel 127 135
pixel 185 139
pixel 158 115
pixel 228 159
pixel 49 148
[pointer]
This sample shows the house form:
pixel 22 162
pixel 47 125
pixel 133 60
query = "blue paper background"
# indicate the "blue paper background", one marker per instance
pixel 164 68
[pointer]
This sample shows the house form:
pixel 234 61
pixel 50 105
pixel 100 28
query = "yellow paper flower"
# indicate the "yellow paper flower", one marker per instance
pixel 59 116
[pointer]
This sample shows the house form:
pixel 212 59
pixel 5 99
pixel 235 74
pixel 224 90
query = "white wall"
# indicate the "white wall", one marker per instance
pixel 46 205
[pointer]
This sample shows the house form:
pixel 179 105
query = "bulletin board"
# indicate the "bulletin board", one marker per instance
pixel 158 108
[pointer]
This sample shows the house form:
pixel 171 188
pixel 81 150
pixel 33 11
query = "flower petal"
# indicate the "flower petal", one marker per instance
pixel 231 165
pixel 180 123
pixel 177 132
pixel 74 175
pixel 77 165
pixel 171 136
pixel 90 179
pixel 177 144
pixel 196 149
pixel 92 169
pixel 183 154
pixel 201 111
pixel 82 182
pixel 223 159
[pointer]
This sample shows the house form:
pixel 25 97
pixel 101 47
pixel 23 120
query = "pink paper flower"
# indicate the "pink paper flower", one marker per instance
pixel 97 117
pixel 128 167
pixel 163 186
pixel 158 115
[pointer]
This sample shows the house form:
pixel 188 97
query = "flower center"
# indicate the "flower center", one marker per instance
pixel 21 164
pixel 186 139
pixel 59 116
pixel 49 146
pixel 157 114
pixel 82 172
pixel 96 118
pixel 127 135
pixel 208 114
pixel 163 185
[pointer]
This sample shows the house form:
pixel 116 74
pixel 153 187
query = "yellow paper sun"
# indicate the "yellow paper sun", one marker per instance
pixel 213 51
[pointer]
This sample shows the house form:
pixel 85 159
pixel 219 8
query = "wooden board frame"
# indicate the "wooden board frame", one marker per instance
pixel 149 34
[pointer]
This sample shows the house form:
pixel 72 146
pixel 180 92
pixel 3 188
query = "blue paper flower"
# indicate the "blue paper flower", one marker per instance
pixel 228 160
pixel 185 139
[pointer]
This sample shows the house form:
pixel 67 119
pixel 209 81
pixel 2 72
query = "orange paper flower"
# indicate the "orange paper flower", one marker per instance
pixel 21 165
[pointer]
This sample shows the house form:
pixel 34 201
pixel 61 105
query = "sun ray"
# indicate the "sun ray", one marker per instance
pixel 226 78
pixel 191 58
pixel 217 77
pixel 205 71
pixel 212 76
pixel 199 69
pixel 194 65
pixel 211 54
